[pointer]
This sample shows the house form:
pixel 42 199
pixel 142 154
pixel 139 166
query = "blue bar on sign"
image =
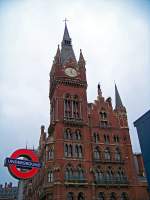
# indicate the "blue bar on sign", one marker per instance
pixel 24 164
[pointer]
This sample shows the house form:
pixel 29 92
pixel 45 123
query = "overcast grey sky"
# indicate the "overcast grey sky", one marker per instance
pixel 114 36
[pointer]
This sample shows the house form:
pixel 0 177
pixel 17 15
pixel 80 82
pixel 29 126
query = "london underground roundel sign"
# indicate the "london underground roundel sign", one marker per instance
pixel 23 168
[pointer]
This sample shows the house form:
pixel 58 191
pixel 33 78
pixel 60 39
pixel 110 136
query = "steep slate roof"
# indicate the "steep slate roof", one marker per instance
pixel 66 47
pixel 117 98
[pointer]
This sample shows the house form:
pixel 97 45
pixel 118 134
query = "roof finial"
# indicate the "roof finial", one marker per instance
pixel 99 90
pixel 65 20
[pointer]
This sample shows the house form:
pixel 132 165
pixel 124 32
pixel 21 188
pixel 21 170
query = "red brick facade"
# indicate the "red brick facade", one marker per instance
pixel 87 154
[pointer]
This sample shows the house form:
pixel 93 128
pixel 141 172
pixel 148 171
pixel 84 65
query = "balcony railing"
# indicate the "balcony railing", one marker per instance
pixel 112 181
pixel 75 181
pixel 102 160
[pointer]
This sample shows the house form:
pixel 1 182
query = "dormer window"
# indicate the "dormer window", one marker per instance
pixel 103 115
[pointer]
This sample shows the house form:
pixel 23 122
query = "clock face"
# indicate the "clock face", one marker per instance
pixel 71 72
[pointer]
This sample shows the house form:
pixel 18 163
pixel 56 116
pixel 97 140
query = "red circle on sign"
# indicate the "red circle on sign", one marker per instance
pixel 18 173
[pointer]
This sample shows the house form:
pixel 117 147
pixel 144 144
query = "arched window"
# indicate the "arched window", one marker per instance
pixel 68 134
pixel 67 106
pixel 66 150
pixel 77 135
pixel 116 138
pixel 107 154
pixel 80 173
pixel 78 151
pixel 124 196
pixel 120 175
pixel 50 176
pixel 70 151
pixel 99 176
pixel 106 139
pixel 101 196
pixel 81 196
pixel 113 196
pixel 117 154
pixel 70 196
pixel 109 175
pixel 96 153
pixel 51 154
pixel 96 137
pixel 76 110
pixel 69 173
pixel 103 115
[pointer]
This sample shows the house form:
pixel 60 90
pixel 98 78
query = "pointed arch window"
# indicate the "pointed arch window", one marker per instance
pixel 117 154
pixel 81 196
pixel 68 134
pixel 77 134
pixel 103 115
pixel 50 176
pixel 70 196
pixel 67 106
pixel 76 107
pixel 101 196
pixel 78 151
pixel 113 196
pixel 51 153
pixel 80 173
pixel 70 151
pixel 107 154
pixel 96 137
pixel 106 139
pixel 99 175
pixel 69 173
pixel 124 196
pixel 116 139
pixel 96 153
pixel 66 150
pixel 120 175
pixel 109 175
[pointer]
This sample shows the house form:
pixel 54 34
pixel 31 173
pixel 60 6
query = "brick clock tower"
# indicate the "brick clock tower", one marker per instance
pixel 87 154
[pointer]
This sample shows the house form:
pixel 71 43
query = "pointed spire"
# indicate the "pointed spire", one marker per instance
pixel 81 59
pixel 99 90
pixel 57 58
pixel 66 47
pixel 66 34
pixel 118 99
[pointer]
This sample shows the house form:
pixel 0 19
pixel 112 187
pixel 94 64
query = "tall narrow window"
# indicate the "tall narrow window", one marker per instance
pixel 96 137
pixel 76 109
pixel 106 139
pixel 67 106
pixel 101 196
pixel 117 154
pixel 70 196
pixel 66 150
pixel 99 176
pixel 80 173
pixel 107 154
pixel 50 177
pixel 77 135
pixel 96 153
pixel 68 134
pixel 69 173
pixel 70 151
pixel 51 154
pixel 113 196
pixel 81 196
pixel 124 196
